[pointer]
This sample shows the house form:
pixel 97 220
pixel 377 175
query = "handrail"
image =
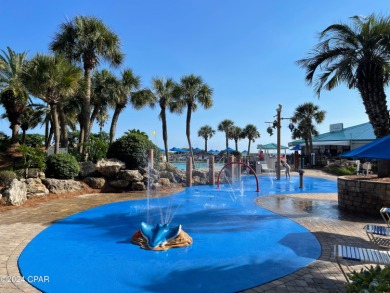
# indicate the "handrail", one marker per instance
pixel 240 163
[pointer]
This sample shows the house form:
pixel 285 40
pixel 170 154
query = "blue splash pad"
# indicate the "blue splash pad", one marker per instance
pixel 236 244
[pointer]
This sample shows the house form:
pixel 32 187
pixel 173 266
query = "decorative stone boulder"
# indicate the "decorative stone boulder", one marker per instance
pixel 200 173
pixel 119 183
pixel 164 182
pixel 109 168
pixel 169 175
pixel 95 182
pixel 130 175
pixel 34 173
pixel 16 193
pixel 87 169
pixel 58 186
pixel 35 188
pixel 138 186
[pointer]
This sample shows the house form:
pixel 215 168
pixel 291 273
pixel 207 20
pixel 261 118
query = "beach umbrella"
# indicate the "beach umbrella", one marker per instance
pixel 378 149
pixel 174 149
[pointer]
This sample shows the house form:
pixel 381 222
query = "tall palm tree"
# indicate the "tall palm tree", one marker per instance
pixel 357 55
pixel 206 132
pixel 226 126
pixel 13 93
pixel 251 133
pixel 192 91
pixel 305 114
pixel 51 78
pixel 236 134
pixel 123 90
pixel 161 93
pixel 87 40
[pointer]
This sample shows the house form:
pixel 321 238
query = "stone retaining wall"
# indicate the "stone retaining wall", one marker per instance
pixel 362 196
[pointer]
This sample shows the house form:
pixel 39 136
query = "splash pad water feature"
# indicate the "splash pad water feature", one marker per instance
pixel 237 244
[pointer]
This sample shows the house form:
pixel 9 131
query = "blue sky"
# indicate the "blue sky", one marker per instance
pixel 245 50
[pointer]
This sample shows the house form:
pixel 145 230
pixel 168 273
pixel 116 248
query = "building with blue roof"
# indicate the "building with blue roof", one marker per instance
pixel 339 139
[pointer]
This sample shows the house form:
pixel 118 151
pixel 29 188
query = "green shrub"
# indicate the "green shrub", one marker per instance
pixel 97 146
pixel 370 280
pixel 7 176
pixel 340 170
pixel 34 140
pixel 133 149
pixel 62 166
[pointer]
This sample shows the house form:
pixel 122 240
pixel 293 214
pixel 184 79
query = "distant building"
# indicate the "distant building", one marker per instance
pixel 339 139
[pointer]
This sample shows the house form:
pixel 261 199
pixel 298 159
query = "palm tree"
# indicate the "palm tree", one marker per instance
pixel 162 93
pixel 251 133
pixel 236 134
pixel 32 117
pixel 226 126
pixel 51 78
pixel 301 132
pixel 206 132
pixel 357 55
pixel 189 93
pixel 87 40
pixel 305 114
pixel 123 89
pixel 13 93
pixel 102 95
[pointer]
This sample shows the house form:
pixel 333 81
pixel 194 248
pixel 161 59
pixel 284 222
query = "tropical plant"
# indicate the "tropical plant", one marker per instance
pixel 161 93
pixel 97 146
pixel 192 91
pixel 31 118
pixel 250 132
pixel 357 55
pixel 32 157
pixel 62 166
pixel 6 177
pixel 304 115
pixel 124 88
pixel 87 40
pixel 102 95
pixel 226 126
pixel 35 140
pixel 133 149
pixel 52 78
pixel 236 134
pixel 370 279
pixel 206 132
pixel 13 93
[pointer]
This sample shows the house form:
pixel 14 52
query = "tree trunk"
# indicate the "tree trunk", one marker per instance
pixel 64 131
pixel 54 117
pixel 188 132
pixel 115 116
pixel 371 88
pixel 15 133
pixel 86 109
pixel 236 142
pixel 383 168
pixel 23 136
pixel 164 131
pixel 249 149
pixel 205 144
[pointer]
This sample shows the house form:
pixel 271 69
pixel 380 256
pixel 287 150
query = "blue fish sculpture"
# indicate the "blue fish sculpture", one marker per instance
pixel 158 235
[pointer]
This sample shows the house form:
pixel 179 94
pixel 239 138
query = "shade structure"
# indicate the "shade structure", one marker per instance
pixel 296 148
pixel 378 149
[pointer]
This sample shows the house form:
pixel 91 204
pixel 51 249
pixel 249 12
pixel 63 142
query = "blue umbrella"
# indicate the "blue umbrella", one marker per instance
pixel 296 148
pixel 378 149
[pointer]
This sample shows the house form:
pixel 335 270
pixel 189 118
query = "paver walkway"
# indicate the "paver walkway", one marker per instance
pixel 316 212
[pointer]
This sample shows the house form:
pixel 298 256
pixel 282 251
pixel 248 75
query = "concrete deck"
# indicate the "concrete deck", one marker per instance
pixel 317 212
